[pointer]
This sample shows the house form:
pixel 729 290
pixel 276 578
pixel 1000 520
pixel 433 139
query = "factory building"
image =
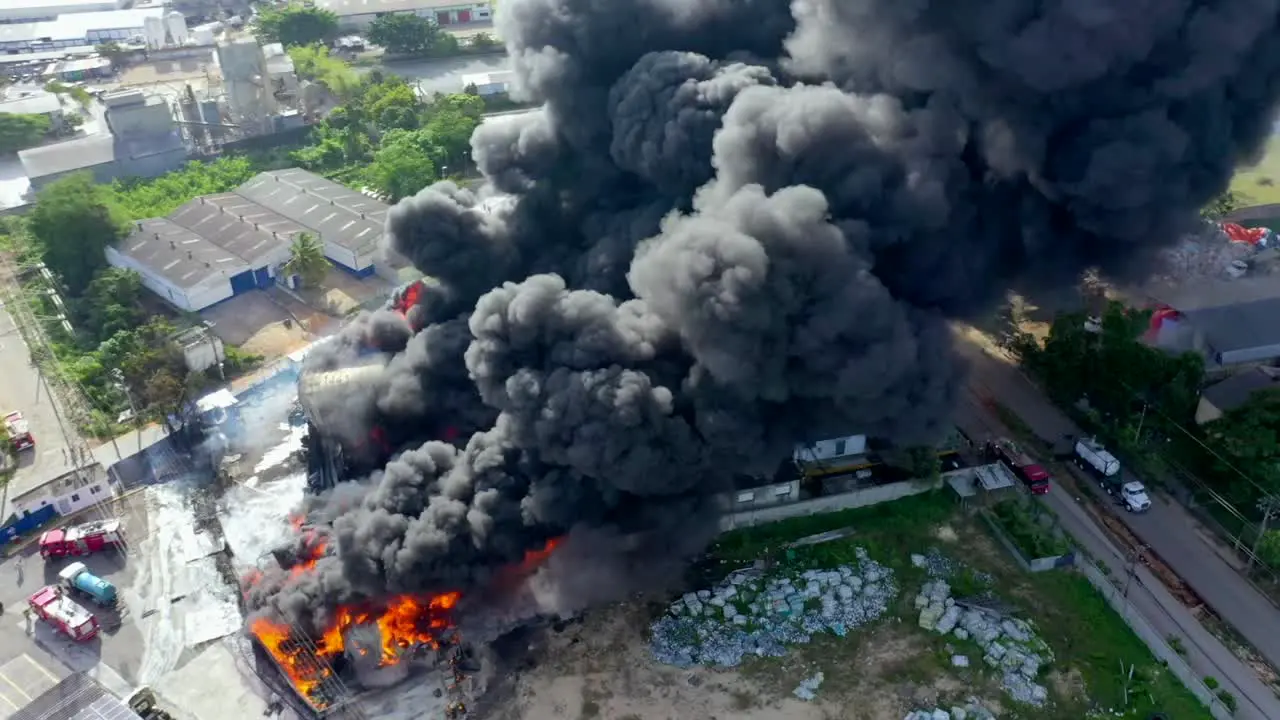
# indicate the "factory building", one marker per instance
pixel 143 142
pixel 82 30
pixel 358 14
pixel 33 11
pixel 216 247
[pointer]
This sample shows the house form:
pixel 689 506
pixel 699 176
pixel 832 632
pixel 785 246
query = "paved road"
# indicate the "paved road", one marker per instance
pixel 445 74
pixel 1167 528
pixel 23 389
pixel 1148 598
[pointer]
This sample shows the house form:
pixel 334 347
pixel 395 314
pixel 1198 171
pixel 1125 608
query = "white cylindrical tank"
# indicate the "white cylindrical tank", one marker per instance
pixel 205 34
pixel 176 24
pixel 153 32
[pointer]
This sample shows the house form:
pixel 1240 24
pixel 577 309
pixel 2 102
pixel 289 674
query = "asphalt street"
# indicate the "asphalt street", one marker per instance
pixel 24 390
pixel 1168 529
pixel 1147 597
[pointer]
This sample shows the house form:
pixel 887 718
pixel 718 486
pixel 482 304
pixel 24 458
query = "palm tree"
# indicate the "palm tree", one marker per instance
pixel 306 259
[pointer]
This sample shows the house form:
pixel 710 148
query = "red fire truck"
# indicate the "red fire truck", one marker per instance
pixel 19 431
pixel 82 539
pixel 53 606
pixel 1031 473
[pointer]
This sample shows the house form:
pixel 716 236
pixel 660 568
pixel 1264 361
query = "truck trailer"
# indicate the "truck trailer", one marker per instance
pixel 84 539
pixel 77 579
pixel 1093 458
pixel 1031 473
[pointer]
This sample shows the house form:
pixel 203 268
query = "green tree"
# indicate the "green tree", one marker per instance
pixel 19 132
pixel 112 302
pixel 307 260
pixel 75 92
pixel 1249 439
pixel 1269 548
pixel 406 34
pixel 313 62
pixel 112 51
pixel 74 220
pixel 1223 205
pixel 402 166
pixel 450 124
pixel 156 197
pixel 149 362
pixel 295 24
pixel 391 104
pixel 484 41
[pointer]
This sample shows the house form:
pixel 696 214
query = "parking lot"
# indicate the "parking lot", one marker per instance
pixel 23 679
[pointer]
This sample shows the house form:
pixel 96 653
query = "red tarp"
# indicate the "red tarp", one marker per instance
pixel 1241 234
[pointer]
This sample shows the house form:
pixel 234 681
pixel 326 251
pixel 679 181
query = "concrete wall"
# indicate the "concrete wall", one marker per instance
pixel 1028 564
pixel 1154 640
pixel 858 498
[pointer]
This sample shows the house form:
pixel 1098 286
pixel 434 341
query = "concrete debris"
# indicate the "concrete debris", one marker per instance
pixel 1009 646
pixel 960 661
pixel 808 687
pixel 973 710
pixel 1208 254
pixel 763 615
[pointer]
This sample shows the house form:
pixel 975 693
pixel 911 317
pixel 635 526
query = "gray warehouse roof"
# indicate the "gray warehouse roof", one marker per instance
pixel 321 206
pixel 78 154
pixel 177 254
pixel 1233 315
pixel 38 104
pixel 239 226
pixel 1236 390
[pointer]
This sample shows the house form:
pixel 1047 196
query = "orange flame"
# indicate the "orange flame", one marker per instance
pixel 403 621
pixel 311 553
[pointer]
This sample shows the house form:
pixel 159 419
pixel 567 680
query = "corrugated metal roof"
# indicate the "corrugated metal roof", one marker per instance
pixel 77 697
pixel 339 215
pixel 177 254
pixel 1233 315
pixel 368 7
pixel 239 226
pixel 78 154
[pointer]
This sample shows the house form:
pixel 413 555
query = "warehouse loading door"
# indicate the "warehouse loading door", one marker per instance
pixel 442 17
pixel 242 282
pixel 263 277
pixel 464 16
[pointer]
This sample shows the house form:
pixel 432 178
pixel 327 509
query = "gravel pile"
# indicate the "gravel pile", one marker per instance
pixel 973 710
pixel 808 687
pixel 749 614
pixel 1009 646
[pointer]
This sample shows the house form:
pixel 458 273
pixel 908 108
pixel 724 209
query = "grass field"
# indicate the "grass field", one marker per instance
pixel 1260 185
pixel 1091 642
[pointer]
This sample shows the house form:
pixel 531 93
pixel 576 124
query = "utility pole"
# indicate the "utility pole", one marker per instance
pixel 1268 505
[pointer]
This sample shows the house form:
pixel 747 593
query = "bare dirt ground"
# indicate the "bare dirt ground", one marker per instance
pixel 342 293
pixel 164 71
pixel 601 668
pixel 257 323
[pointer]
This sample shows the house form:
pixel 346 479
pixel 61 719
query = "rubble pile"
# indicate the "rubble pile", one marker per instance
pixel 972 710
pixel 749 614
pixel 1205 255
pixel 1009 646
pixel 808 688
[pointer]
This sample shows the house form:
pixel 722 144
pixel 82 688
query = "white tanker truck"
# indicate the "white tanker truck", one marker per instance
pixel 1090 456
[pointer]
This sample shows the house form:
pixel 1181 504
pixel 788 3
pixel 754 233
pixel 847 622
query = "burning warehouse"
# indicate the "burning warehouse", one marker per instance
pixel 734 226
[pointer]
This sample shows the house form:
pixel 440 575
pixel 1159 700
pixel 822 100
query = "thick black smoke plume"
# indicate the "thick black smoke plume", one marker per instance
pixel 739 224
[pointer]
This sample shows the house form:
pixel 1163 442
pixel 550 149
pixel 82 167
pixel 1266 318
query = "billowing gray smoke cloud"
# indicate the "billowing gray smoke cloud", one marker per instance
pixel 737 224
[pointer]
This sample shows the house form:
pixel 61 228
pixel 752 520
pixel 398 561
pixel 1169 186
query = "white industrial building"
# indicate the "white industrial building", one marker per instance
pixel 490 83
pixel 218 246
pixel 31 11
pixel 358 14
pixel 68 493
pixel 88 29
